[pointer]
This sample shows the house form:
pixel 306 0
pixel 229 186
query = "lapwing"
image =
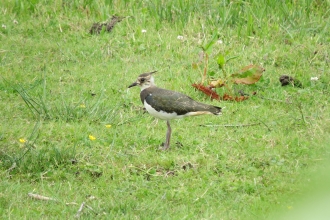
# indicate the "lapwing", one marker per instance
pixel 166 104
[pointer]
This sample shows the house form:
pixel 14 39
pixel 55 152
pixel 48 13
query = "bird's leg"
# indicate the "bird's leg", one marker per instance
pixel 168 136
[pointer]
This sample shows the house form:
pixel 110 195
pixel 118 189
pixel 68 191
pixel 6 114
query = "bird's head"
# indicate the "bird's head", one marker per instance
pixel 145 80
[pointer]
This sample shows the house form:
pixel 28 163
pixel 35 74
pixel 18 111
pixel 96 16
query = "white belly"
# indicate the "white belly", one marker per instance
pixel 161 114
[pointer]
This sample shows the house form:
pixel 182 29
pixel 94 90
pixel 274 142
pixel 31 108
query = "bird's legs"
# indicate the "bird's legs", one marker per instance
pixel 168 136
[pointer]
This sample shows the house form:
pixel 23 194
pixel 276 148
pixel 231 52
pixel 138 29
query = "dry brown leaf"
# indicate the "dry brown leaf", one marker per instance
pixel 227 97
pixel 248 75
pixel 217 83
pixel 207 90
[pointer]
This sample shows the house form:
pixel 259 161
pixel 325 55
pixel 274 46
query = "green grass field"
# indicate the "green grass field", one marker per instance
pixel 71 130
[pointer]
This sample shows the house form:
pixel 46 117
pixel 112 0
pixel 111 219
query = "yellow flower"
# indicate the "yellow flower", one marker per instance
pixel 290 207
pixel 22 140
pixel 91 137
pixel 82 106
pixel 108 126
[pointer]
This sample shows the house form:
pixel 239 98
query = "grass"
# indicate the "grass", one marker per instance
pixel 60 86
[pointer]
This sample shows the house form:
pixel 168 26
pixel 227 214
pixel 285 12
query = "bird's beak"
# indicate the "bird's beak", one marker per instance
pixel 133 84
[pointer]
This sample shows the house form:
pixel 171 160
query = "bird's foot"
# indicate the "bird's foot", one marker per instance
pixel 163 147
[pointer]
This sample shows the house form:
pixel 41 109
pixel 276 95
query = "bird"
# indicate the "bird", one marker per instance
pixel 167 104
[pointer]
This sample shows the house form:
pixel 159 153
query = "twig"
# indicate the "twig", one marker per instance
pixel 201 195
pixel 90 208
pixel 71 203
pixel 205 67
pixel 227 125
pixel 80 210
pixel 261 122
pixel 12 167
pixel 40 197
pixel 275 100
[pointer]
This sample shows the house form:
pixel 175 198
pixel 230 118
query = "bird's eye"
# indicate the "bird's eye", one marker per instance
pixel 142 80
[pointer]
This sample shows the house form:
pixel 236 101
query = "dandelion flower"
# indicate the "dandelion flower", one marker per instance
pixel 108 126
pixel 91 137
pixel 22 140
pixel 82 106
pixel 144 31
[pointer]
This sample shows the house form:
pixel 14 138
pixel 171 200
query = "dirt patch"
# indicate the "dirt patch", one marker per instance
pixel 288 80
pixel 108 26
